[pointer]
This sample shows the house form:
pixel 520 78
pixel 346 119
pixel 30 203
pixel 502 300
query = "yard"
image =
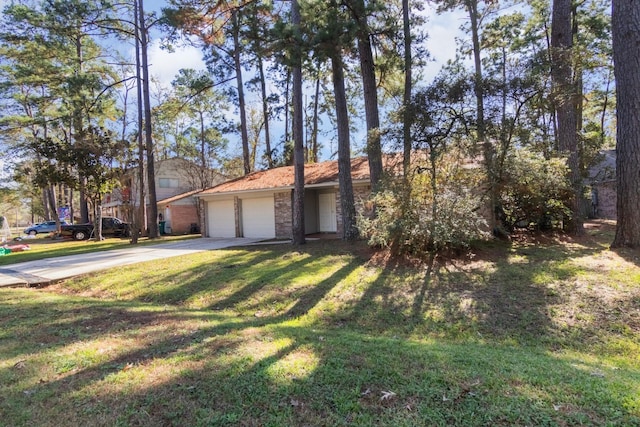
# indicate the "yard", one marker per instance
pixel 537 331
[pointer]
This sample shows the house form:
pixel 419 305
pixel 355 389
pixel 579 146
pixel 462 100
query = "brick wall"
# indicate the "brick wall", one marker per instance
pixel 360 196
pixel 284 215
pixel 607 200
pixel 182 216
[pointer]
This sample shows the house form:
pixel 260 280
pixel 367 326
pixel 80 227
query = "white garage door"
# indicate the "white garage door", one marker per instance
pixel 222 220
pixel 258 217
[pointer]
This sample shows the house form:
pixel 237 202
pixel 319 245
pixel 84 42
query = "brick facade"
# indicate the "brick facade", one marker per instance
pixel 182 216
pixel 606 198
pixel 360 196
pixel 284 215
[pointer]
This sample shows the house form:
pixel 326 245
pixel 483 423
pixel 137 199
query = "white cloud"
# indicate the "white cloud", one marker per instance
pixel 441 44
pixel 164 64
pixel 443 30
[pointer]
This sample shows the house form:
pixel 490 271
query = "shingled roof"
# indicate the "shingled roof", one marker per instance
pixel 283 177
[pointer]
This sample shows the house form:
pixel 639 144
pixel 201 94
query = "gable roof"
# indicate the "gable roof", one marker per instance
pixel 315 174
pixel 604 167
pixel 177 197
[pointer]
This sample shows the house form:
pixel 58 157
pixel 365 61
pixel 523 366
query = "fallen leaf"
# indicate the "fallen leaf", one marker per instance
pixel 386 395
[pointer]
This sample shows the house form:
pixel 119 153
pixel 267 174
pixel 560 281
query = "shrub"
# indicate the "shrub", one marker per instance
pixel 422 215
pixel 535 191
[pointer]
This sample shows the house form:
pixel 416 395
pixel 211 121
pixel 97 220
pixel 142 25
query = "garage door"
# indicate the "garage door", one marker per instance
pixel 258 217
pixel 222 220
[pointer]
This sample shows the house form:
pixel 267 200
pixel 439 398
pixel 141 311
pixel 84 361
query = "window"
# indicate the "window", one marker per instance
pixel 168 183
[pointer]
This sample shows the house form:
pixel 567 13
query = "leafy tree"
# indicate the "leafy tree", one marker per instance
pixel 203 107
pixel 477 14
pixel 92 157
pixel 219 27
pixel 258 32
pixel 57 81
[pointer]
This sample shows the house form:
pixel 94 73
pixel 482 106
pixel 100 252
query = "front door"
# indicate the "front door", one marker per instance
pixel 327 213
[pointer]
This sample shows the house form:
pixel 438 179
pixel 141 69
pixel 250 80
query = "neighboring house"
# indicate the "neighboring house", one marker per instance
pixel 176 180
pixel 180 213
pixel 260 204
pixel 602 179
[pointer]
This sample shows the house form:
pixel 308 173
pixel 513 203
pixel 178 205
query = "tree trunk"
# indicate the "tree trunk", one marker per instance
pixel 406 125
pixel 478 86
pixel 77 130
pixel 347 204
pixel 246 161
pixel 369 86
pixel 298 237
pixel 314 131
pixel 565 101
pixel 140 214
pixel 97 221
pixel 265 113
pixel 287 119
pixel 626 56
pixel 45 204
pixel 52 202
pixel 203 141
pixel 152 219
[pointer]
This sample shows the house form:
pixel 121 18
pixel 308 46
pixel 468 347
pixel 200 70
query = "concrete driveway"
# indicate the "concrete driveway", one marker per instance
pixel 40 272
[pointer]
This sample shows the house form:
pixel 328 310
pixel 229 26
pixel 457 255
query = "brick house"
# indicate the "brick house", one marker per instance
pixel 602 179
pixel 176 182
pixel 260 204
pixel 180 213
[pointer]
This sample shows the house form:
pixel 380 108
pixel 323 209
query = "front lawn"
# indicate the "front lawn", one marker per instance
pixel 521 333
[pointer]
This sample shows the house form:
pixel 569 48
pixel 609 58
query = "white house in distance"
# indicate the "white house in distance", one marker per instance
pixel 260 204
pixel 176 182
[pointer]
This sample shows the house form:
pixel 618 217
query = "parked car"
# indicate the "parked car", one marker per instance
pixel 43 227
pixel 111 226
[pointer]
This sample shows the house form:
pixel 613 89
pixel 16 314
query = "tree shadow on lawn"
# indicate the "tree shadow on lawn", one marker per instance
pixel 220 377
pixel 87 320
pixel 528 294
pixel 506 292
pixel 204 279
pixel 263 278
pixel 328 377
pixel 631 255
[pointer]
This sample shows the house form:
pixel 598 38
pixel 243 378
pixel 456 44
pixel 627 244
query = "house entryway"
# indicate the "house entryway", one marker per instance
pixel 327 220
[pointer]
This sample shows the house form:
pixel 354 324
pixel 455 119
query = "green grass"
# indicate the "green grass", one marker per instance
pixel 43 247
pixel 326 334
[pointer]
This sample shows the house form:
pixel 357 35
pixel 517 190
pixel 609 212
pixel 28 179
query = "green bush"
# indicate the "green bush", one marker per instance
pixel 535 191
pixel 420 216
